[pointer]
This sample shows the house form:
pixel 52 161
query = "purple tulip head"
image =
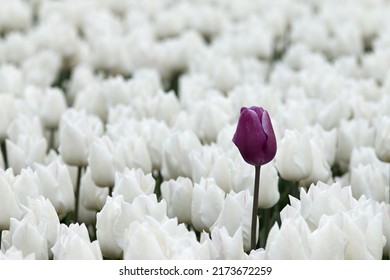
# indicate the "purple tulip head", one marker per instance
pixel 254 136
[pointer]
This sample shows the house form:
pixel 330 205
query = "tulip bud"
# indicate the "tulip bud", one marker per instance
pixel 255 137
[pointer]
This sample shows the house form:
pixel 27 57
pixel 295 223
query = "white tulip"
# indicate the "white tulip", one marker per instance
pixel 27 185
pixel 320 166
pixel 207 203
pixel 207 126
pixel 42 212
pixel 382 139
pixel 209 161
pixel 132 152
pixel 153 240
pixel 102 163
pixel 132 183
pixel 57 186
pixel 10 205
pixel 235 214
pixel 73 243
pixel 117 215
pixel 293 157
pixel 54 105
pixel 24 125
pixel 26 151
pixel 77 131
pixel 281 238
pixel 178 195
pixel 92 197
pixel 224 246
pixel 25 236
pixel 42 68
pixel 351 134
pixel 369 181
pixel 13 253
pixel 334 246
pixel 176 149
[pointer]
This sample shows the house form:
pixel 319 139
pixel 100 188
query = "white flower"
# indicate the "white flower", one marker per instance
pixel 223 246
pixel 236 214
pixel 269 186
pixel 26 236
pixel 10 109
pixel 178 195
pixel 207 203
pixel 102 163
pixel 382 139
pixel 73 243
pixel 133 182
pixel 209 161
pixel 176 149
pixel 56 184
pixel 207 126
pixel 24 125
pixel 18 47
pixel 92 197
pixel 290 241
pixel 27 185
pixel 132 152
pixel 155 240
pixel 42 68
pixel 77 131
pixel 351 134
pixel 369 181
pixel 26 151
pixel 54 105
pixel 13 253
pixel 10 205
pixel 293 158
pixel 117 215
pixel 11 79
pixel 15 15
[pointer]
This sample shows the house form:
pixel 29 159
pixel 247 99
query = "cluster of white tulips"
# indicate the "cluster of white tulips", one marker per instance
pixel 117 118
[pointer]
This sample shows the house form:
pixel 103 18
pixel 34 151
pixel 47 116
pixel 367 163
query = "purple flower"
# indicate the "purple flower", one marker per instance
pixel 255 137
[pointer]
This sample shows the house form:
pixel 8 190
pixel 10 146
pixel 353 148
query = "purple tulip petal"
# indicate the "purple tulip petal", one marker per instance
pixel 270 145
pixel 250 137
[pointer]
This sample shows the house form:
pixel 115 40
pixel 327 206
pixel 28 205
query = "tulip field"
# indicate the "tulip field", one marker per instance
pixel 194 129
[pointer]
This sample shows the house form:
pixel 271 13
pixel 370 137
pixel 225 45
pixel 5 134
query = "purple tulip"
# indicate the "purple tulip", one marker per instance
pixel 255 137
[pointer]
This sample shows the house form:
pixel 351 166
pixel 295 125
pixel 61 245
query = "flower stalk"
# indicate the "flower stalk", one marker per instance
pixel 255 206
pixel 79 171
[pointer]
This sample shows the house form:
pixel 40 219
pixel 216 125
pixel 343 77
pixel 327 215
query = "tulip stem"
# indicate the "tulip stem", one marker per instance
pixel 1 240
pixel 4 151
pixel 79 170
pixel 255 207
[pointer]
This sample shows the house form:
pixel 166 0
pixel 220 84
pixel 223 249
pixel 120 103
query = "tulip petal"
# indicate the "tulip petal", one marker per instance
pixel 250 137
pixel 269 147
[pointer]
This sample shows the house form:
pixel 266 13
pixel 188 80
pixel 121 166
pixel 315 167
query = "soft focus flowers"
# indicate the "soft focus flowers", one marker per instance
pixel 254 136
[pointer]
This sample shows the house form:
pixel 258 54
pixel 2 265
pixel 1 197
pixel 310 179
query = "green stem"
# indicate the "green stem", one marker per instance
pixel 255 206
pixel 79 171
pixel 4 152
pixel 1 240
